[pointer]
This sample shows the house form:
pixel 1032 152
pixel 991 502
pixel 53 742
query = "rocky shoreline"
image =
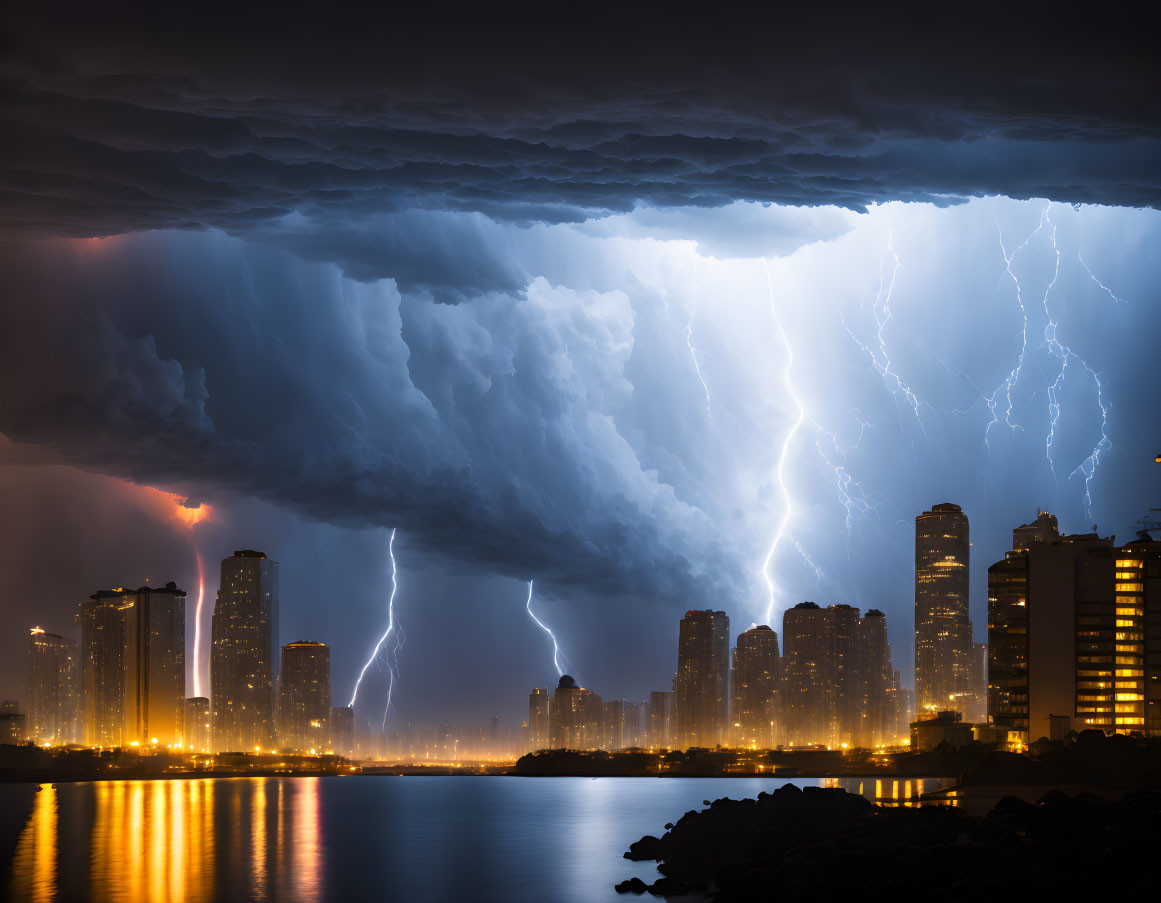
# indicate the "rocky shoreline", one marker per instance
pixel 816 843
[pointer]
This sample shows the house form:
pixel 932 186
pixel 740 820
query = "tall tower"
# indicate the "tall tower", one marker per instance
pixel 155 659
pixel 244 655
pixel 133 666
pixel 703 678
pixel 538 704
pixel 53 693
pixel 877 716
pixel 103 666
pixel 754 687
pixel 943 640
pixel 808 666
pixel 304 701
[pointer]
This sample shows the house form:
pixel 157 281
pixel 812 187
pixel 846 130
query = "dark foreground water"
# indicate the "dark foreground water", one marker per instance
pixel 462 839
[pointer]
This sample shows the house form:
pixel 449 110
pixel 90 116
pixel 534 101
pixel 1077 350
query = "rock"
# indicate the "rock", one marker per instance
pixel 631 886
pixel 670 887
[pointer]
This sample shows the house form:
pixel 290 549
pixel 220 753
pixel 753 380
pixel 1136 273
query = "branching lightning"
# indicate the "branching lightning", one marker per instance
pixel 391 656
pixel 1064 356
pixel 557 655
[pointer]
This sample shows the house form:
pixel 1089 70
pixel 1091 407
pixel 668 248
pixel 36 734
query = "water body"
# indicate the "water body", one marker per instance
pixel 440 839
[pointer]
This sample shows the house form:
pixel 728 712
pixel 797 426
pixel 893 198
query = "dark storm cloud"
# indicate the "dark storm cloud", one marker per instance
pixel 116 123
pixel 484 430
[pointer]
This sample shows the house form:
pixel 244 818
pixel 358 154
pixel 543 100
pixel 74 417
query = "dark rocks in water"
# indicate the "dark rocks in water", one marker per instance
pixel 823 844
pixel 632 886
pixel 670 887
pixel 648 847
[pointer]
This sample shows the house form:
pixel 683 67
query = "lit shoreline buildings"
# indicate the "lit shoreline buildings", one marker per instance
pixel 1074 635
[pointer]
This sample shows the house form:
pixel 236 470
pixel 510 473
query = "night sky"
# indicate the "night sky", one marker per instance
pixel 625 305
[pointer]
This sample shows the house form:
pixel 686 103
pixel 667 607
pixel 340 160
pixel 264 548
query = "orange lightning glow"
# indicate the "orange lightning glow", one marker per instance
pixel 178 509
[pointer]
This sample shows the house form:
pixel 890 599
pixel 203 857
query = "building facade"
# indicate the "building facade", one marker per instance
pixel 1058 645
pixel 244 656
pixel 304 699
pixel 342 730
pixel 755 680
pixel 703 679
pixel 808 692
pixel 199 725
pixel 659 732
pixel 943 631
pixel 53 688
pixel 575 717
pixel 133 666
pixel 877 718
pixel 538 721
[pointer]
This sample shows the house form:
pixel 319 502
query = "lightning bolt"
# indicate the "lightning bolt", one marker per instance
pixel 392 630
pixel 1064 356
pixel 197 646
pixel 784 452
pixel 557 655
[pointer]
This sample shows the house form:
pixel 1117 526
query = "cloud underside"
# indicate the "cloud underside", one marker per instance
pixel 261 128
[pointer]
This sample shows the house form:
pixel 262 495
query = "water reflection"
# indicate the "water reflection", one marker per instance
pixel 180 841
pixel 908 792
pixel 453 839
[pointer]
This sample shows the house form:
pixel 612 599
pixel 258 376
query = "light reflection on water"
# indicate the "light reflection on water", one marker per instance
pixel 320 839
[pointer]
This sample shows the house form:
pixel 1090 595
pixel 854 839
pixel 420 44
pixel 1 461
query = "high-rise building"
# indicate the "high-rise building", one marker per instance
pixel 847 682
pixel 53 688
pixel 245 652
pixel 304 699
pixel 199 725
pixel 104 667
pixel 575 717
pixel 877 718
pixel 614 724
pixel 538 718
pixel 754 680
pixel 808 668
pixel 659 733
pixel 343 730
pixel 133 666
pixel 943 633
pixel 1056 642
pixel 703 679
pixel 1137 601
pixel 1043 529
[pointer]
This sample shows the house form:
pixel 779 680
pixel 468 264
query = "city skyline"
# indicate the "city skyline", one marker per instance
pixel 1043 527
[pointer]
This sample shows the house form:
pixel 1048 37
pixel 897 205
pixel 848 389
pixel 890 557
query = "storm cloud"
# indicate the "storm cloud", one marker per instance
pixel 290 128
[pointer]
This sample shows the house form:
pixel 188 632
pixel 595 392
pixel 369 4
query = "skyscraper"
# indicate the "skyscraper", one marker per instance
pixel 1043 529
pixel 342 730
pixel 808 668
pixel 943 638
pixel 575 717
pixel 1058 644
pixel 199 725
pixel 53 688
pixel 304 699
pixel 877 719
pixel 133 666
pixel 103 667
pixel 659 733
pixel 754 683
pixel 155 638
pixel 244 656
pixel 538 723
pixel 703 679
